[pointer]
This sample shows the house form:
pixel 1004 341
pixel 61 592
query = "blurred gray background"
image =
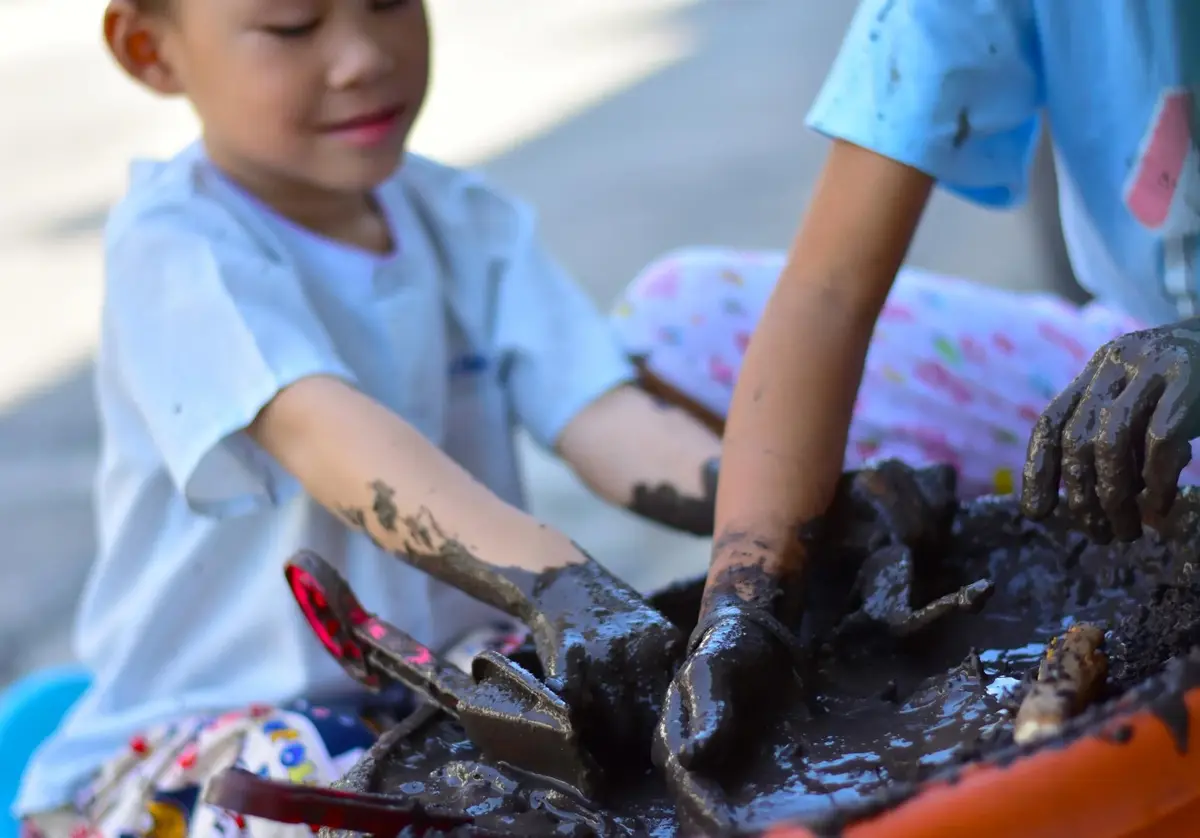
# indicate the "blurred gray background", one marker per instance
pixel 635 126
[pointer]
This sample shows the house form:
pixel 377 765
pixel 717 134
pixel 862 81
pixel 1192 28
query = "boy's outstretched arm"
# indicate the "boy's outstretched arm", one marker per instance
pixel 785 438
pixel 366 464
pixel 652 458
pixel 381 476
pixel 784 446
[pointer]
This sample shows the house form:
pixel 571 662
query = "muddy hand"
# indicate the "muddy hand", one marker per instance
pixel 893 503
pixel 607 651
pixel 886 583
pixel 738 655
pixel 1123 428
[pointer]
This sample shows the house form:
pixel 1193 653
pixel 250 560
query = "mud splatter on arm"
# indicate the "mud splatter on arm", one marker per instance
pixel 425 545
pixel 650 457
pixel 747 572
pixel 665 503
pixel 382 477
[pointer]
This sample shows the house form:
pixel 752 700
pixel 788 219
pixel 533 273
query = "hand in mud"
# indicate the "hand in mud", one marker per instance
pixel 608 652
pixel 886 580
pixel 1122 428
pixel 739 655
pixel 886 530
pixel 891 503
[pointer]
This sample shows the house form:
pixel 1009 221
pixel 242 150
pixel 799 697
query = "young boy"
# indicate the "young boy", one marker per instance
pixel 313 340
pixel 926 92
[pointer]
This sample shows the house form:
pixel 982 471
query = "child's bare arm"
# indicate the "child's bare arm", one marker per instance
pixel 786 435
pixel 367 465
pixel 362 461
pixel 652 458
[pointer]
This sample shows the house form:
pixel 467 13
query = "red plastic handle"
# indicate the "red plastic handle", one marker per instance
pixel 237 790
pixel 332 611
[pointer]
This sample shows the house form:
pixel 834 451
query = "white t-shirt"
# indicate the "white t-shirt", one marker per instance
pixel 212 304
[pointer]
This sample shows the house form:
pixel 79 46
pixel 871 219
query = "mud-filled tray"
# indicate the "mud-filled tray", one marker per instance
pixel 890 725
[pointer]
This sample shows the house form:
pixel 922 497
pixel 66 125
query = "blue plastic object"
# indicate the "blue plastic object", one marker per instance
pixel 30 710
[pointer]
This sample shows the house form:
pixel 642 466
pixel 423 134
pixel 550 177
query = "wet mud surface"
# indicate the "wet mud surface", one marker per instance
pixel 881 712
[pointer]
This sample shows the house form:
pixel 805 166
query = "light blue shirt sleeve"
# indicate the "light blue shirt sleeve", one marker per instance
pixel 563 353
pixel 950 87
pixel 206 329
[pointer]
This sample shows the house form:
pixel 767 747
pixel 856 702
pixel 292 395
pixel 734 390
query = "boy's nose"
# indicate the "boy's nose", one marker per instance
pixel 359 60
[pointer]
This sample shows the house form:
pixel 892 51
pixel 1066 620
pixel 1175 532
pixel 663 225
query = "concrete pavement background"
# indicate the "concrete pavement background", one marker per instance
pixel 636 126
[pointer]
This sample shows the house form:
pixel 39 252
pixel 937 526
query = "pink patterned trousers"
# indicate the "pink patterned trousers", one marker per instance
pixel 956 373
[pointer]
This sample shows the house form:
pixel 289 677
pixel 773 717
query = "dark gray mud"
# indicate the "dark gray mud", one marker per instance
pixel 881 713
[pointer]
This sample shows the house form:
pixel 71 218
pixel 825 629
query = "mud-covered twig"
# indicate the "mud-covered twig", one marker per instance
pixel 1070 677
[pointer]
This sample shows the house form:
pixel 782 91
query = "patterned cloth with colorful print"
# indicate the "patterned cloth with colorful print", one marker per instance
pixel 155 788
pixel 957 372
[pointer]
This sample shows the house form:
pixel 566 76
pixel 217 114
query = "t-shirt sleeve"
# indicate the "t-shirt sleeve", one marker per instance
pixel 562 352
pixel 951 88
pixel 205 328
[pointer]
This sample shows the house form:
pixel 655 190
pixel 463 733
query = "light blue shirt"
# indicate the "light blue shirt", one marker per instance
pixel 212 305
pixel 957 90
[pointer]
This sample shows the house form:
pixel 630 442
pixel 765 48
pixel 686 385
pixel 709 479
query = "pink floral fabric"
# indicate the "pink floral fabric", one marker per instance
pixel 956 373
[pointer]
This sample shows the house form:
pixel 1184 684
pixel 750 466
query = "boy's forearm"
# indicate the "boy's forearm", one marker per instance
pixel 786 434
pixel 785 437
pixel 651 458
pixel 382 477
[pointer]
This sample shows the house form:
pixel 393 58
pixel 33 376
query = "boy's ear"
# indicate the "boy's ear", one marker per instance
pixel 135 40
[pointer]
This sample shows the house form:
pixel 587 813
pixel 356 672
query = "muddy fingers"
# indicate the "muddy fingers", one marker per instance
pixel 1124 425
pixel 886 581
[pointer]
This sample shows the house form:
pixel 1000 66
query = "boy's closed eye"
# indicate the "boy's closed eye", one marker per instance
pixel 307 25
pixel 295 30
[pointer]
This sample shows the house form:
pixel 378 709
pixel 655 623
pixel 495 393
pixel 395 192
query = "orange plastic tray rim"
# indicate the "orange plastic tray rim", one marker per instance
pixel 1126 779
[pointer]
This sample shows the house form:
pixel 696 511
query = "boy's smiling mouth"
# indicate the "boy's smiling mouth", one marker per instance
pixel 370 129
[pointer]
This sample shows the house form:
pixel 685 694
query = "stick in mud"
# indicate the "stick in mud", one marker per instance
pixel 1070 677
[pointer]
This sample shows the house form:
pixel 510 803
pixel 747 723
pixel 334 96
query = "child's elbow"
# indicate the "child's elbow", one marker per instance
pixel 591 431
